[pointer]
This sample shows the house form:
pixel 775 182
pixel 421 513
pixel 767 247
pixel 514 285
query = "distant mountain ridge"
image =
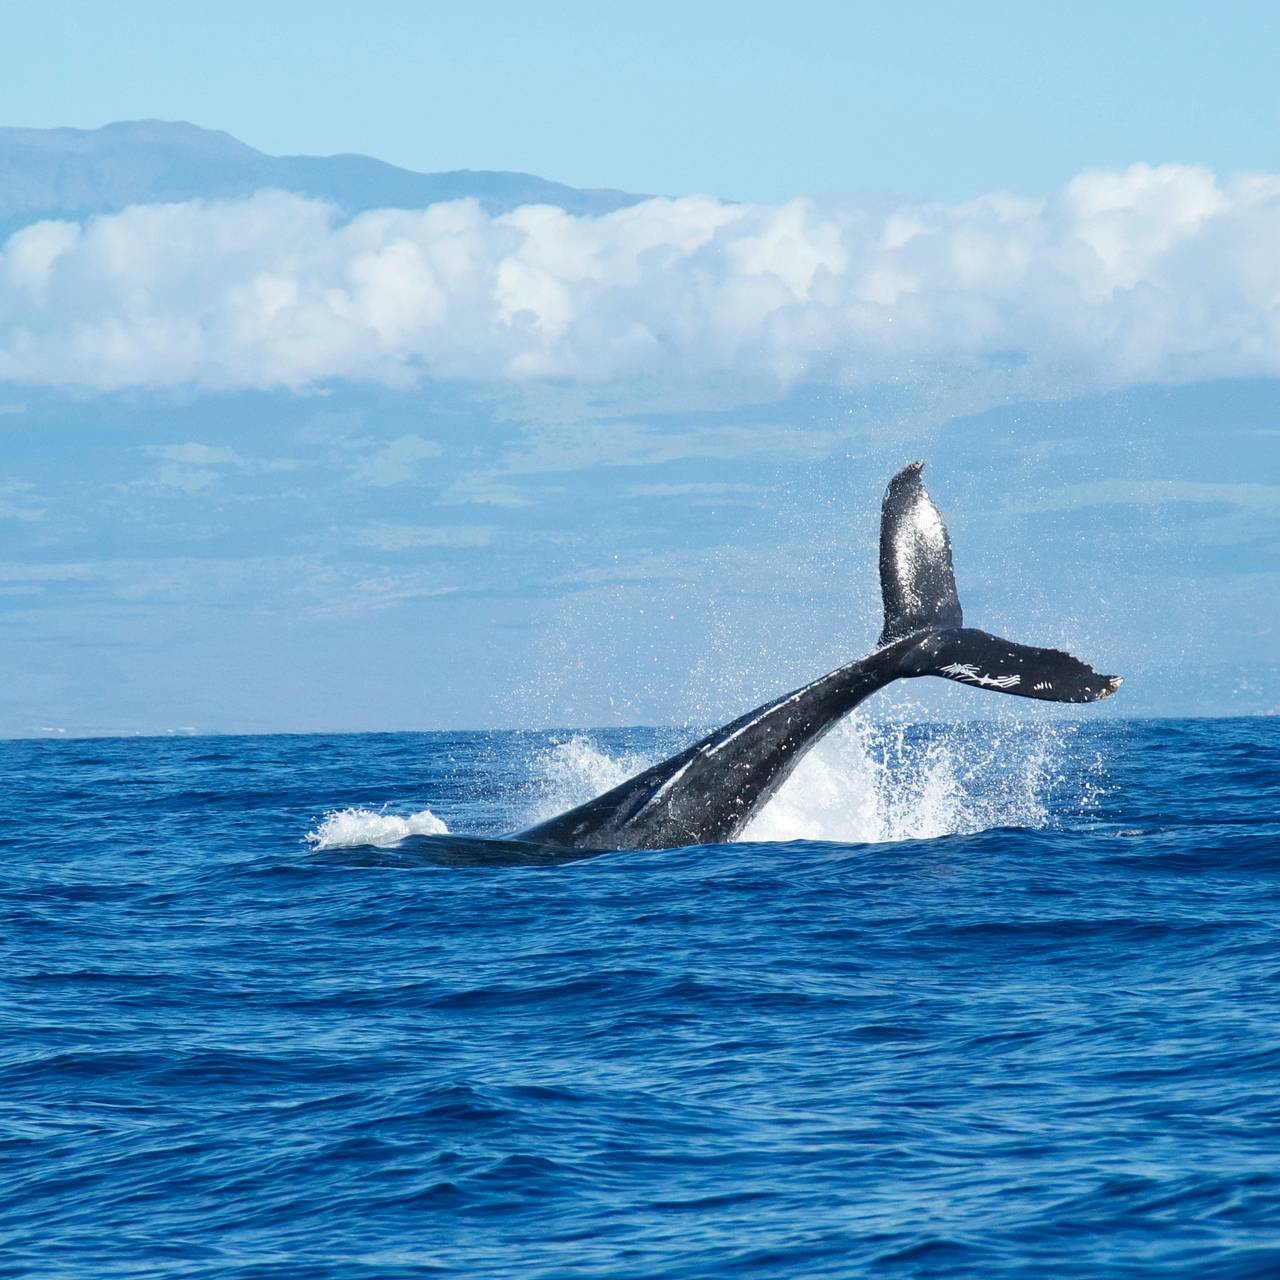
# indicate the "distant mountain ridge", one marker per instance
pixel 73 173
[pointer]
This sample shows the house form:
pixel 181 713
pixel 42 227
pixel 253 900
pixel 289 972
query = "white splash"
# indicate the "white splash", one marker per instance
pixel 352 828
pixel 875 782
pixel 577 770
pixel 864 783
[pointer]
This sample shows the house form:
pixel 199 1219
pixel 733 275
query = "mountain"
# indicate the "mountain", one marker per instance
pixel 72 173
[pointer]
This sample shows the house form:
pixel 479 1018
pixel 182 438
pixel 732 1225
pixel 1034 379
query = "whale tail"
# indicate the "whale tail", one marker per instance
pixel 918 583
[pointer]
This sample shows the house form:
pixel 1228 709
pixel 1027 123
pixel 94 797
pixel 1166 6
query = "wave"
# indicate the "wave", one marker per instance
pixel 571 772
pixel 352 828
pixel 866 783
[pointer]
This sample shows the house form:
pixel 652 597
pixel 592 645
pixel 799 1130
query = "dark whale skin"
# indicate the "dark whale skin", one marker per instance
pixel 707 793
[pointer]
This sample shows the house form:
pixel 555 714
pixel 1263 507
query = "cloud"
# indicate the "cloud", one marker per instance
pixel 486 489
pixel 184 479
pixel 582 446
pixel 707 489
pixel 1152 273
pixel 395 463
pixel 11 571
pixel 550 449
pixel 196 455
pixel 193 468
pixel 1263 499
pixel 411 537
pixel 188 468
pixel 289 585
pixel 18 501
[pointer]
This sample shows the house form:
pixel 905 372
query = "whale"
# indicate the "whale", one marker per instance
pixel 708 792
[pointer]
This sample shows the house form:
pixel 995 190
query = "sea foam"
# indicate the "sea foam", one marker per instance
pixel 874 783
pixel 865 783
pixel 344 828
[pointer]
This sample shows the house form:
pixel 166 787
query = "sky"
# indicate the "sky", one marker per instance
pixel 265 465
pixel 734 98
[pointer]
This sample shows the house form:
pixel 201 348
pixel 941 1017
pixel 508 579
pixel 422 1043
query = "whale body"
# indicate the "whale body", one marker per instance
pixel 707 793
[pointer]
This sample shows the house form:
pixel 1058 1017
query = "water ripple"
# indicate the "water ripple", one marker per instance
pixel 1000 1009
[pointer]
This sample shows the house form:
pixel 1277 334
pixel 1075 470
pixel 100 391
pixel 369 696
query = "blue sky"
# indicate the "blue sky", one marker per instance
pixel 747 100
pixel 267 466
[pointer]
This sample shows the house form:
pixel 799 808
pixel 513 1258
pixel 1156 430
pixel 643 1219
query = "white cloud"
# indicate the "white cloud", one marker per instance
pixel 196 455
pixel 578 446
pixel 193 467
pixel 706 489
pixel 11 571
pixel 1153 273
pixel 184 479
pixel 18 501
pixel 411 537
pixel 1248 496
pixel 486 489
pixel 396 462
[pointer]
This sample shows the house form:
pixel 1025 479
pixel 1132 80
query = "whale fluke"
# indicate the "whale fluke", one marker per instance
pixel 918 583
pixel 708 792
pixel 917 579
pixel 989 662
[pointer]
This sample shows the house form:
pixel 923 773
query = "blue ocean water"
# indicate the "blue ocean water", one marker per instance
pixel 1016 1012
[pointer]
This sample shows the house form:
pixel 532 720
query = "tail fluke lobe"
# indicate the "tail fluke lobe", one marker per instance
pixel 916 577
pixel 988 662
pixel 919 588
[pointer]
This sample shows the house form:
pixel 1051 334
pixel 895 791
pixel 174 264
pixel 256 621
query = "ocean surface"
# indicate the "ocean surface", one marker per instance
pixel 998 999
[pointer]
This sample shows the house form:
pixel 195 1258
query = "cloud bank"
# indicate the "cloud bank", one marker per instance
pixel 1147 275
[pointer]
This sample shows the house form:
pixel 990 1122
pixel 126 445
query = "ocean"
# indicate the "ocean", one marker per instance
pixel 995 999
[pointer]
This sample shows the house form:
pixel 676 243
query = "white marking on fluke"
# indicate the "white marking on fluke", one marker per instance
pixel 968 671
